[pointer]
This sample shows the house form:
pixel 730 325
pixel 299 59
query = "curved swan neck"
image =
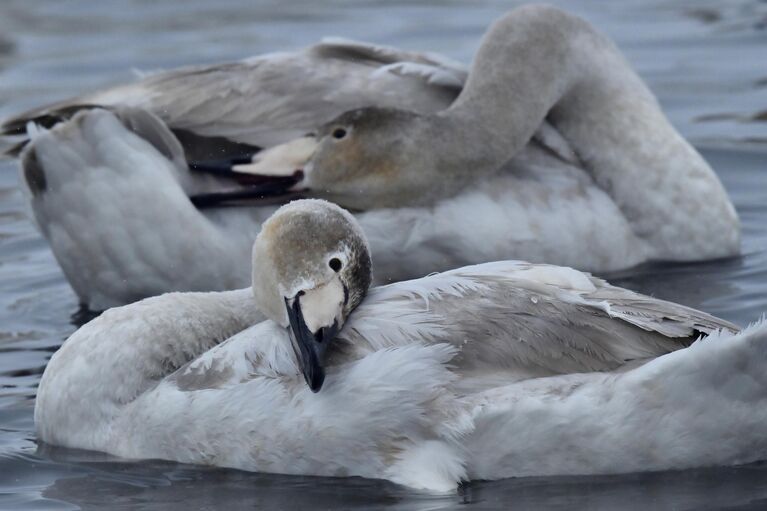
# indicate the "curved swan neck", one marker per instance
pixel 538 62
pixel 108 371
pixel 524 66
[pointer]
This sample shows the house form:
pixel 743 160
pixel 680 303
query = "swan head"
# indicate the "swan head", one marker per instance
pixel 311 268
pixel 365 158
pixel 362 158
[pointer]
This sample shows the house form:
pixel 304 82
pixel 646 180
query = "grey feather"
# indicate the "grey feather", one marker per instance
pixel 267 100
pixel 501 320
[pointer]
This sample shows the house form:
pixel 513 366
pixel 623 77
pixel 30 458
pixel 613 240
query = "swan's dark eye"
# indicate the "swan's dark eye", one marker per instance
pixel 335 264
pixel 339 133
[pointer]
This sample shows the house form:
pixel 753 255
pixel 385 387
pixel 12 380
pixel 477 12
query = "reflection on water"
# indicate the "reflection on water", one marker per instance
pixel 703 58
pixel 91 481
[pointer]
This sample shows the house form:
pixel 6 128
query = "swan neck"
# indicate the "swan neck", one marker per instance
pixel 118 356
pixel 540 63
pixel 525 65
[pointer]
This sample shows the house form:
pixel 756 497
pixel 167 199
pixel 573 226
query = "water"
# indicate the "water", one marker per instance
pixel 706 63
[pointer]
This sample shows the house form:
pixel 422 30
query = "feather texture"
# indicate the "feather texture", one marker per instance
pixel 489 371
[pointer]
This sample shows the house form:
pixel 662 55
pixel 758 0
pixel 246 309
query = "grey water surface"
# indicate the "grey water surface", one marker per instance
pixel 706 61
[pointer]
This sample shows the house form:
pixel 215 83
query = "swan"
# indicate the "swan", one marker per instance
pixel 551 149
pixel 484 372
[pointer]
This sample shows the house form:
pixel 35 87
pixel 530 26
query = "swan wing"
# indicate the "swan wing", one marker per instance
pixel 236 108
pixel 529 319
pixel 269 99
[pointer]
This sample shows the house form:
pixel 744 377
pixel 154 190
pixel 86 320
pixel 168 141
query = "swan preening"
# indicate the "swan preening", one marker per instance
pixel 490 371
pixel 550 149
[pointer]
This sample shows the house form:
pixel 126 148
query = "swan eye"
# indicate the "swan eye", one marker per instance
pixel 339 133
pixel 335 264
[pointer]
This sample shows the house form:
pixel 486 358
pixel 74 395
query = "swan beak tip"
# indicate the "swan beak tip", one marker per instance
pixel 309 347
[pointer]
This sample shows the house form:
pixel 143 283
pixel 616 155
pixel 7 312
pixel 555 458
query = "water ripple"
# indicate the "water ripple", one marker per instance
pixel 702 58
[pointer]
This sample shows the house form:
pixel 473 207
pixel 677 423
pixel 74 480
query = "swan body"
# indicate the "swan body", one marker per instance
pixel 122 227
pixel 490 371
pixel 414 394
pixel 591 176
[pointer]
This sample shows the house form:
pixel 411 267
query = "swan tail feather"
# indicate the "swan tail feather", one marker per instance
pixel 695 407
pixel 84 179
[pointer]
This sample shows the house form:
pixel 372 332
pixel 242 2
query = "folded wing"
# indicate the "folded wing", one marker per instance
pixel 527 320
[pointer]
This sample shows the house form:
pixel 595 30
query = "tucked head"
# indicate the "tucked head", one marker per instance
pixel 366 154
pixel 311 268
pixel 365 158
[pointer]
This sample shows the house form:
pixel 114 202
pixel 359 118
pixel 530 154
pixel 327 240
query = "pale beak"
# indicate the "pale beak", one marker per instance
pixel 275 172
pixel 281 160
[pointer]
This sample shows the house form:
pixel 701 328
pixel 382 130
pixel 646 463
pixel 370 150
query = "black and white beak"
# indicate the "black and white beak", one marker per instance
pixel 310 347
pixel 274 173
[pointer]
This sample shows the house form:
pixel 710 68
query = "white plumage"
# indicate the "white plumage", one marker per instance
pixel 497 370
pixel 622 188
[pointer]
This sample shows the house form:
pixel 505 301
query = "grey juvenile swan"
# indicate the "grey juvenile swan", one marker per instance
pixel 496 370
pixel 553 150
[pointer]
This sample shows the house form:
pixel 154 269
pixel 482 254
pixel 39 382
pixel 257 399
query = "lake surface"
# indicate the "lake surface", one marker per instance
pixel 707 63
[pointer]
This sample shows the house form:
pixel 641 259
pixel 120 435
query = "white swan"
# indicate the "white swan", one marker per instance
pixel 497 370
pixel 604 183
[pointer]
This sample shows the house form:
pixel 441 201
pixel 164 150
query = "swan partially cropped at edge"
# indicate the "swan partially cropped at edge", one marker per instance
pixel 553 150
pixel 497 370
